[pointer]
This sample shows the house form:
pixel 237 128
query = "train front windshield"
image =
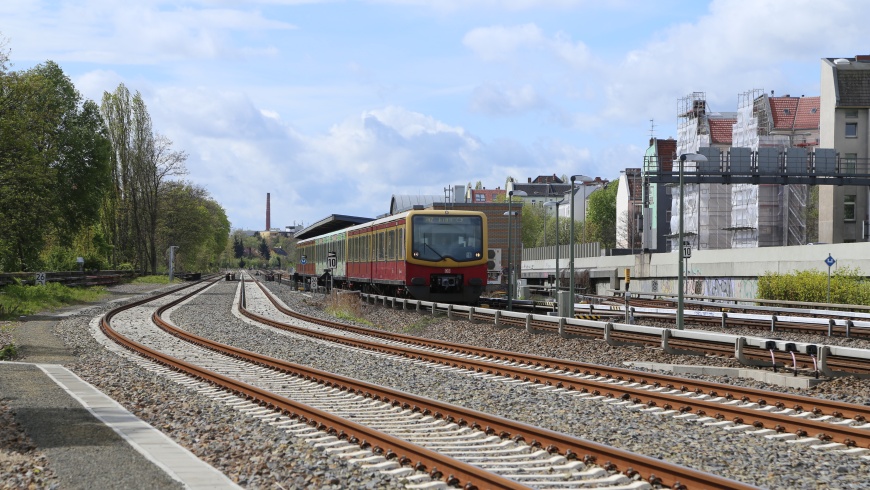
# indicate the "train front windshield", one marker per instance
pixel 439 237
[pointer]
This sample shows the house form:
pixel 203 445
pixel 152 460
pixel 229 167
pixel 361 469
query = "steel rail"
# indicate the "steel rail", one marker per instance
pixel 825 431
pixel 653 470
pixel 408 453
pixel 836 363
pixel 784 400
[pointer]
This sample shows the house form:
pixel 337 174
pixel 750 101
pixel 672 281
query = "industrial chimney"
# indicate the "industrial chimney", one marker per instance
pixel 268 213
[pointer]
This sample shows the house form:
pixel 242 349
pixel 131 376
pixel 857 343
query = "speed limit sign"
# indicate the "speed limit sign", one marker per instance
pixel 331 260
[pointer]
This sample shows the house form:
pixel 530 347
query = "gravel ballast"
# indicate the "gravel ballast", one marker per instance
pixel 258 456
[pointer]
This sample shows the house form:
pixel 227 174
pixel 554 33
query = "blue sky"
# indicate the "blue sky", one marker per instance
pixel 334 106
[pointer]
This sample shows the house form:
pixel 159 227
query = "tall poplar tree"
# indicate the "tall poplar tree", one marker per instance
pixel 142 162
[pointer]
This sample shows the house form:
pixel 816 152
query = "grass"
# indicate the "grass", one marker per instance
pixel 155 280
pixel 17 300
pixel 346 307
pixel 418 326
pixel 7 346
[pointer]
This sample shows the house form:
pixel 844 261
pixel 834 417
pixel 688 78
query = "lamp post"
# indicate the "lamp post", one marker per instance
pixel 550 205
pixel 690 157
pixel 584 179
pixel 510 214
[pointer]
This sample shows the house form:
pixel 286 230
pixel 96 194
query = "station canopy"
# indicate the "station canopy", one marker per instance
pixel 333 222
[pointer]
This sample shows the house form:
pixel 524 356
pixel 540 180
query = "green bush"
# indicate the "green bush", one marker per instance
pixel 848 286
pixel 8 352
pixel 17 299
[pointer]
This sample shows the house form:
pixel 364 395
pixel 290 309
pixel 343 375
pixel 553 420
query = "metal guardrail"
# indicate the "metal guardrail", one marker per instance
pixel 82 279
pixel 741 301
pixel 607 329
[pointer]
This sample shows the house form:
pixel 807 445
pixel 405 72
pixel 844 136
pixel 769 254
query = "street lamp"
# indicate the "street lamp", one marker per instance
pixel 690 157
pixel 584 179
pixel 550 205
pixel 510 214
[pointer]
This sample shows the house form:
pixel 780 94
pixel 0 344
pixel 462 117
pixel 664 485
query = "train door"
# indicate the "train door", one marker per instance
pixel 390 253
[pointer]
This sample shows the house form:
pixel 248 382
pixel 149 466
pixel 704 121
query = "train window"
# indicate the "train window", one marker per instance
pixel 391 245
pixel 368 246
pixel 401 244
pixel 439 237
pixel 380 246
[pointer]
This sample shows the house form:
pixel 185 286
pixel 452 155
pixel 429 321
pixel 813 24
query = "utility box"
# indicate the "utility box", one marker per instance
pixel 523 292
pixel 566 304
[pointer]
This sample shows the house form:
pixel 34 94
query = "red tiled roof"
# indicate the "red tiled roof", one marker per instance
pixel 721 131
pixel 547 179
pixel 807 113
pixel 783 110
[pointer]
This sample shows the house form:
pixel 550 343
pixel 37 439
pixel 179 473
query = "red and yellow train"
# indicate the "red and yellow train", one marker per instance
pixel 430 255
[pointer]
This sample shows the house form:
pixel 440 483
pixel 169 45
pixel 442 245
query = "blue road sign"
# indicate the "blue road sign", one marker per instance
pixel 830 261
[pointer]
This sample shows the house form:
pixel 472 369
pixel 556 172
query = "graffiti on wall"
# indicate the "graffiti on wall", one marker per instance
pixel 730 287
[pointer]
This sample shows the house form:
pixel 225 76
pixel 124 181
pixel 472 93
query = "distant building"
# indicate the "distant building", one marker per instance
pixel 720 216
pixel 544 189
pixel 484 195
pixel 656 199
pixel 629 202
pixel 845 126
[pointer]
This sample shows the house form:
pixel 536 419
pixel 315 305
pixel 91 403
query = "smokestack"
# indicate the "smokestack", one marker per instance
pixel 268 213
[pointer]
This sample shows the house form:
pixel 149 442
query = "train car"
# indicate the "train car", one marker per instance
pixel 431 255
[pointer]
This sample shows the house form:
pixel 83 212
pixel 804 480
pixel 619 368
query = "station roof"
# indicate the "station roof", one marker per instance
pixel 333 222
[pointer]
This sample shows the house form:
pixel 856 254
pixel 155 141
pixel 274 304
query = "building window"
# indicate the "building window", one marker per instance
pixel 851 130
pixel 480 197
pixel 850 161
pixel 852 113
pixel 849 207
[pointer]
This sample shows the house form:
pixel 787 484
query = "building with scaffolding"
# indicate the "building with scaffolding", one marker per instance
pixel 707 209
pixel 745 215
pixel 772 215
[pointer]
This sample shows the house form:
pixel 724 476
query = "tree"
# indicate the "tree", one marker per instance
pixel 238 246
pixel 142 163
pixel 4 54
pixel 264 249
pixel 601 215
pixel 628 233
pixel 190 219
pixel 52 162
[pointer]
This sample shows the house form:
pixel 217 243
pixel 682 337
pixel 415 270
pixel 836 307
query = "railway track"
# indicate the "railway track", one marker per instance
pixel 803 317
pixel 807 358
pixel 822 424
pixel 413 437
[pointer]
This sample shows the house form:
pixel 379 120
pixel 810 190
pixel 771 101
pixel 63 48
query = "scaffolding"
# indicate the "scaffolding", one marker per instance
pixel 707 211
pixel 693 128
pixel 766 215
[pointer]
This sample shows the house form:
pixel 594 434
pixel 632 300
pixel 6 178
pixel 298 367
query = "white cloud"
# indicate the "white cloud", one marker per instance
pixel 500 43
pixel 496 101
pixel 105 31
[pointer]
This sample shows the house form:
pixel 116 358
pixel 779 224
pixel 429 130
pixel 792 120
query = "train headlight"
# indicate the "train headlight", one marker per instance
pixel 415 254
pixel 477 255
